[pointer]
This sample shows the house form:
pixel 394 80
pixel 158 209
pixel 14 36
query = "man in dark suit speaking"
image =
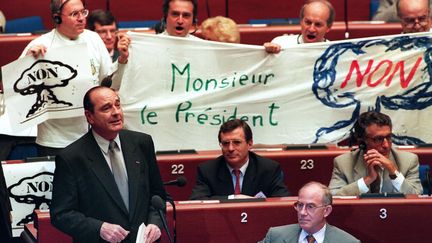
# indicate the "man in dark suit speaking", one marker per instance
pixel 238 172
pixel 104 181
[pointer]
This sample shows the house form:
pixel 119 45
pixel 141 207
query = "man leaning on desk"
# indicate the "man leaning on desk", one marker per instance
pixel 375 167
pixel 238 172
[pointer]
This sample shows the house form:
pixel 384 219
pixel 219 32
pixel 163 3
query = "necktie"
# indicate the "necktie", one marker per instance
pixel 237 184
pixel 310 239
pixel 375 185
pixel 119 172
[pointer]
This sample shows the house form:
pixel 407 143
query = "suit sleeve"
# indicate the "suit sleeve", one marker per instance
pixel 64 205
pixel 156 185
pixel 278 187
pixel 268 237
pixel 412 184
pixel 202 189
pixel 386 11
pixel 339 185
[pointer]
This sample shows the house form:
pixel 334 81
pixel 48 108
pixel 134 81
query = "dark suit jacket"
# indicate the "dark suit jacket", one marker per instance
pixel 5 208
pixel 85 193
pixel 290 234
pixel 214 180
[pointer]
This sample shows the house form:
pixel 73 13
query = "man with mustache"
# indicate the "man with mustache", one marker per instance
pixel 313 206
pixel 375 167
pixel 316 20
pixel 69 17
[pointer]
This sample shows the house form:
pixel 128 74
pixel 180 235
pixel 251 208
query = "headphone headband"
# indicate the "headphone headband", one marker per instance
pixel 60 8
pixel 57 13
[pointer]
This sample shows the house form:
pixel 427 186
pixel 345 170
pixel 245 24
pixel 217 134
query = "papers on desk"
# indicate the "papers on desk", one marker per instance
pixel 345 197
pixel 198 201
pixel 141 238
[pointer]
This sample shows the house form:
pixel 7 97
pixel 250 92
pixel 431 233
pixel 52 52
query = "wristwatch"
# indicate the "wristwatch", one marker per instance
pixel 396 174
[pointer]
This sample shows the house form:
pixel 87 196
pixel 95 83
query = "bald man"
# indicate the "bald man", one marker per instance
pixel 414 15
pixel 316 20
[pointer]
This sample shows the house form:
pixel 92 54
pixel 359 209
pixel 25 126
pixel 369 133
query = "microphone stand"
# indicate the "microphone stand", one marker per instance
pixel 208 9
pixel 107 5
pixel 346 19
pixel 226 8
pixel 428 181
pixel 171 201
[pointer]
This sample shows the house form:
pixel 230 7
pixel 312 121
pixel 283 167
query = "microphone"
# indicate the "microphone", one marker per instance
pixel 363 146
pixel 180 182
pixel 159 204
pixel 346 19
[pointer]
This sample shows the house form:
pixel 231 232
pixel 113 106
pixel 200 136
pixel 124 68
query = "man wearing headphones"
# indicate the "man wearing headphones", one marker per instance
pixel 179 17
pixel 69 17
pixel 375 167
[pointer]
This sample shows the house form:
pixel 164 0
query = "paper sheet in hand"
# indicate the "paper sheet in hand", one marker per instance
pixel 141 238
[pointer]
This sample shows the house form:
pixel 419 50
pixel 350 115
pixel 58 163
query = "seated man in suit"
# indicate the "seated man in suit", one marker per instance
pixel 104 181
pixel 238 171
pixel 376 166
pixel 314 205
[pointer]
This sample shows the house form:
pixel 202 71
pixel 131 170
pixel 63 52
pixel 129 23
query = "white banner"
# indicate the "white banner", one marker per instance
pixel 30 188
pixel 46 88
pixel 180 91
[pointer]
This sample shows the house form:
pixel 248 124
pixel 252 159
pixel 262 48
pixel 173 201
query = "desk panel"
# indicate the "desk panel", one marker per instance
pixel 46 232
pixel 299 166
pixel 258 35
pixel 370 220
pixel 12 46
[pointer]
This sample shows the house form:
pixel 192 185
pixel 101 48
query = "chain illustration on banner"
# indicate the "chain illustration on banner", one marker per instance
pixel 411 98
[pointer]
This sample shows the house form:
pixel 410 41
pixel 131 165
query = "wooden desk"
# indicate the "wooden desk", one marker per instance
pixel 370 220
pixel 258 35
pixel 299 166
pixel 29 235
pixel 46 232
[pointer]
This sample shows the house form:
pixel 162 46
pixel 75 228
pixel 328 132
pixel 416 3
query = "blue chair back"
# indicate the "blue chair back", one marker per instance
pixel 424 174
pixel 137 24
pixel 23 25
pixel 23 151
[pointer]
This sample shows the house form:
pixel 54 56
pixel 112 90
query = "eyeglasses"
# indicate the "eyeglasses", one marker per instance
pixel 104 33
pixel 380 139
pixel 309 207
pixel 410 22
pixel 83 12
pixel 235 143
